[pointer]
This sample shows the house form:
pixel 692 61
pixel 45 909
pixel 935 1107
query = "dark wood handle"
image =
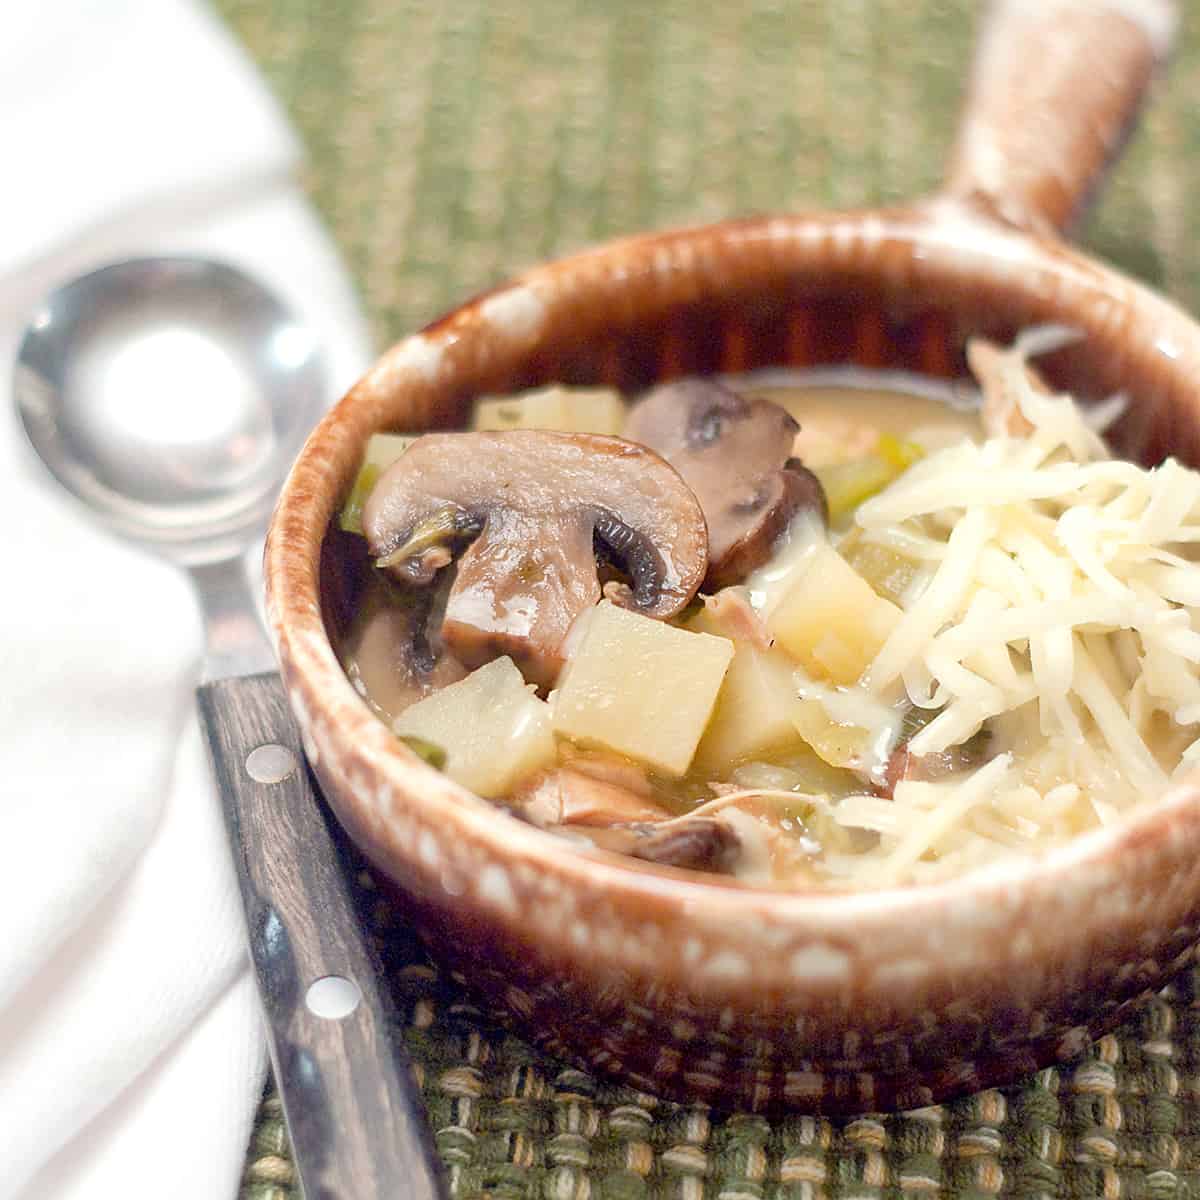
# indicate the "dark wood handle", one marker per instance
pixel 1055 86
pixel 353 1109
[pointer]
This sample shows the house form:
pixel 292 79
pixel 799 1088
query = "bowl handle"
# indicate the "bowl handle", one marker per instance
pixel 1053 92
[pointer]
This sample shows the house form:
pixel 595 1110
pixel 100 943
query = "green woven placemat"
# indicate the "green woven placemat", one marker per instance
pixel 451 144
pixel 1121 1121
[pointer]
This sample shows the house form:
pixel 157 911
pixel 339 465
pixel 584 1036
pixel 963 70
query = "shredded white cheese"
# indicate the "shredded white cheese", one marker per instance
pixel 1057 607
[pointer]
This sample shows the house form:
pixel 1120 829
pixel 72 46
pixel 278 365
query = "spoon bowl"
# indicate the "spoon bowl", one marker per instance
pixel 170 395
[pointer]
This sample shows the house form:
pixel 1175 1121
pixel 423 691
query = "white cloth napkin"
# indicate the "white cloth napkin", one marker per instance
pixel 131 1052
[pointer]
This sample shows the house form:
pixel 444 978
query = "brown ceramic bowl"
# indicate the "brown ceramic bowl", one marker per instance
pixel 705 988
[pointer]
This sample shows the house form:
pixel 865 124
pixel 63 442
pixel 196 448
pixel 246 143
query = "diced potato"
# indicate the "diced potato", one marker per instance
pixel 382 450
pixel 494 730
pixel 571 410
pixel 752 712
pixel 830 620
pixel 640 687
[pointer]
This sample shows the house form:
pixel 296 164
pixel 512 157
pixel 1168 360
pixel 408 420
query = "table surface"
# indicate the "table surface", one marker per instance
pixel 452 144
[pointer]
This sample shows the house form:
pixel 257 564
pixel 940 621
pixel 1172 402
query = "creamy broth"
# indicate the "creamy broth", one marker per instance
pixel 841 412
pixel 911 673
pixel 844 407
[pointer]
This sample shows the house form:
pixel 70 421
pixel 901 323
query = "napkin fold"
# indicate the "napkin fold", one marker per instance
pixel 125 997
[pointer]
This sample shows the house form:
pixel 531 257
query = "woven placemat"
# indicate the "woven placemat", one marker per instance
pixel 510 1124
pixel 453 143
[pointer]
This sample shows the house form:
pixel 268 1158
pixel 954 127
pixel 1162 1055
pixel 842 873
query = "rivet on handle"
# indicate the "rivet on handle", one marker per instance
pixel 271 763
pixel 332 997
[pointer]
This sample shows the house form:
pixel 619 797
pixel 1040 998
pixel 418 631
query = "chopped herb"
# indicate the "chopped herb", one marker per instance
pixel 382 450
pixel 350 518
pixel 848 484
pixel 900 455
pixel 437 530
pixel 426 751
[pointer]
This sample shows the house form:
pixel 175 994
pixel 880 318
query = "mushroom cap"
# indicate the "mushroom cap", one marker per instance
pixel 531 507
pixel 735 454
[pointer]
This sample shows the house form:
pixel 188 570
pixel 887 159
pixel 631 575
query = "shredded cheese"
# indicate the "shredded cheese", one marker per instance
pixel 1056 606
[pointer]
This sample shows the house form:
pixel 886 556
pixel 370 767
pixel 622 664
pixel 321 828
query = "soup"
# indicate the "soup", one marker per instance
pixel 911 636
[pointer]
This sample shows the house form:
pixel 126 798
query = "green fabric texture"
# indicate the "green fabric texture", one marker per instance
pixel 1121 1121
pixel 452 144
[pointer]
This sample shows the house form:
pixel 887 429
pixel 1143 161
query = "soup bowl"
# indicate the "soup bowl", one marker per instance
pixel 702 987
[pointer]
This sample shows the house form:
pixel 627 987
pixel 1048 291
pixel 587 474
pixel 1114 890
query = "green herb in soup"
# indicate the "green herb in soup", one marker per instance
pixel 382 450
pixel 912 638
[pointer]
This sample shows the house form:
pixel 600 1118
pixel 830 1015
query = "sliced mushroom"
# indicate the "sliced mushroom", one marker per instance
pixel 393 653
pixel 613 817
pixel 697 843
pixel 735 454
pixel 533 505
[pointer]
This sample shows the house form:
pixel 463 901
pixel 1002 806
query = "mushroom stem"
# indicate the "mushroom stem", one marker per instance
pixel 518 592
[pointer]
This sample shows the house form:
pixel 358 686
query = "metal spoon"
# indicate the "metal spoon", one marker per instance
pixel 170 396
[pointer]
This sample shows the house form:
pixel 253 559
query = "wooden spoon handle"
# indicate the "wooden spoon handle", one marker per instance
pixel 1054 90
pixel 352 1106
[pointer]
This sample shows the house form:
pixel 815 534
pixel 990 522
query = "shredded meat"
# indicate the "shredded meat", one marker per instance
pixel 1000 413
pixel 569 797
pixel 732 608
